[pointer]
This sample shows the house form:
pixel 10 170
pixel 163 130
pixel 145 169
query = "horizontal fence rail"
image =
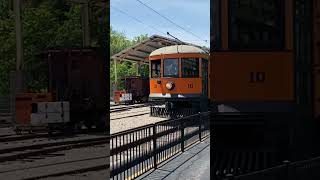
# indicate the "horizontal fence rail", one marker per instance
pixel 138 150
pixel 301 170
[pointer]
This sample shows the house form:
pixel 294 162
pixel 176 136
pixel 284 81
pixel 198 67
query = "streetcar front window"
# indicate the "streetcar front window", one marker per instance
pixel 155 68
pixel 190 67
pixel 171 68
pixel 256 24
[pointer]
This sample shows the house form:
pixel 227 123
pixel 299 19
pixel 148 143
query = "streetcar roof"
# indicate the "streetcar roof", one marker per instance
pixel 175 49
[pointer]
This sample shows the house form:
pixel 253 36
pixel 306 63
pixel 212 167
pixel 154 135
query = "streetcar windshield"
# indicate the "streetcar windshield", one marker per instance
pixel 171 68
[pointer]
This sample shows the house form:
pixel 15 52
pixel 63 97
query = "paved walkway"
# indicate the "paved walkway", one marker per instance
pixel 194 163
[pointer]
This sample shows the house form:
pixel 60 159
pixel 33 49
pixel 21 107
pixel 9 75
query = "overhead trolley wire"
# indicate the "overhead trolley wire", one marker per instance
pixel 138 20
pixel 171 21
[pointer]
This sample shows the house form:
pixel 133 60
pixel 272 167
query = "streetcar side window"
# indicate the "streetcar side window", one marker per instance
pixel 170 67
pixel 190 67
pixel 256 24
pixel 155 68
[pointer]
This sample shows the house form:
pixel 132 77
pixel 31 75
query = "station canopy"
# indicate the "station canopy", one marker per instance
pixel 139 53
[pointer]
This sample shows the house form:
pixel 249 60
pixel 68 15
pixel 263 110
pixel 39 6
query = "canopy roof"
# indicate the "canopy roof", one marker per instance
pixel 140 52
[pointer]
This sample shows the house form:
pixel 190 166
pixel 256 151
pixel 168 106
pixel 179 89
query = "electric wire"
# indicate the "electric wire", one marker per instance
pixel 138 20
pixel 171 21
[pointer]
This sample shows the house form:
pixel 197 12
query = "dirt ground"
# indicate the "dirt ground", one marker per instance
pixel 132 118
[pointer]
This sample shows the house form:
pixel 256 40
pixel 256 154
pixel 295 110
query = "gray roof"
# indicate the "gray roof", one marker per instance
pixel 141 51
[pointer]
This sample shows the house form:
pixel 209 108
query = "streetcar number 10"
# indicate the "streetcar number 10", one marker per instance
pixel 257 77
pixel 190 85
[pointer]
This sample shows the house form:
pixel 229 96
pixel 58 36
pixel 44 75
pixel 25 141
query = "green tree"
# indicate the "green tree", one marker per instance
pixel 46 24
pixel 119 42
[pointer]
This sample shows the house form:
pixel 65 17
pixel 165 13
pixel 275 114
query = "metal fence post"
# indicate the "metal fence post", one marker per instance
pixel 154 146
pixel 182 136
pixel 200 124
pixel 286 173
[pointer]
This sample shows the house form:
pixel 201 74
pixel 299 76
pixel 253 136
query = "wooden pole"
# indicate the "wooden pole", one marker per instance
pixel 115 75
pixel 18 28
pixel 137 68
pixel 19 76
pixel 86 24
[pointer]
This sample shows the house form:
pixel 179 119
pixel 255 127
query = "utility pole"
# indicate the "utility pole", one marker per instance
pixel 19 83
pixel 17 16
pixel 16 77
pixel 86 24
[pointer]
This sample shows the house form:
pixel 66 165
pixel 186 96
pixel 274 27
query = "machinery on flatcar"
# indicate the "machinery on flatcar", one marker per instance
pixel 77 93
pixel 179 78
pixel 78 76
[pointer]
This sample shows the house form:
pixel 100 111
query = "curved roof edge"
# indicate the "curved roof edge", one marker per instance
pixel 175 49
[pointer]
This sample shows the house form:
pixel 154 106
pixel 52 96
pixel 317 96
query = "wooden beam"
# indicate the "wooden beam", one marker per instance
pixel 133 58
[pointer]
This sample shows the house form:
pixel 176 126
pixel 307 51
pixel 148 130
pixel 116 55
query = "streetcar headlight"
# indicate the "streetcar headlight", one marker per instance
pixel 170 85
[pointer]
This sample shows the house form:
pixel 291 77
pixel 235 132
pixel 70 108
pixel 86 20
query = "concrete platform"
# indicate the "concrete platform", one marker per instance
pixel 194 163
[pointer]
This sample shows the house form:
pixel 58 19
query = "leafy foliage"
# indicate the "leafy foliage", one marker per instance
pixel 119 42
pixel 51 24
pixel 46 24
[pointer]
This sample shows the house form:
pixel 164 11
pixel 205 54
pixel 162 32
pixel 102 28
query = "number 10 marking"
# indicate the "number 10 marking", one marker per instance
pixel 257 77
pixel 190 85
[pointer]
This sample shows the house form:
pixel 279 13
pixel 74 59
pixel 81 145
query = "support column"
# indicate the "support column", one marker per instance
pixel 115 75
pixel 138 69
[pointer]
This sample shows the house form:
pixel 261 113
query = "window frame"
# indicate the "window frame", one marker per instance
pixel 252 47
pixel 160 70
pixel 199 66
pixel 178 69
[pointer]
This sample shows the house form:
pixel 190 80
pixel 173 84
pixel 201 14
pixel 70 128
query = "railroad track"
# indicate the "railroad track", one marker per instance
pixel 125 105
pixel 119 109
pixel 25 151
pixel 130 116
pixel 58 166
pixel 14 137
pixel 100 164
pixel 6 135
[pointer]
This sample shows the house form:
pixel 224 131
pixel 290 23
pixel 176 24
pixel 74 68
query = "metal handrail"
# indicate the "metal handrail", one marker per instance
pixel 138 150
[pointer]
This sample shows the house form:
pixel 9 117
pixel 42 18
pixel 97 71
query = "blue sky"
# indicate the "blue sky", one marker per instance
pixel 193 15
